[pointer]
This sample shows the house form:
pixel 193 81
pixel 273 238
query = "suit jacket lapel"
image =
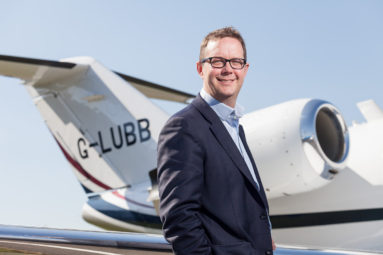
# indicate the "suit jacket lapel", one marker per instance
pixel 262 191
pixel 224 138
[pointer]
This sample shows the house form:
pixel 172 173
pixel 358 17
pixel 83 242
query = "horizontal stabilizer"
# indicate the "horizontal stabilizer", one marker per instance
pixel 32 70
pixel 370 110
pixel 153 90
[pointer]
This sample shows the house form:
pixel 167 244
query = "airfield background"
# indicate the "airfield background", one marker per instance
pixel 296 49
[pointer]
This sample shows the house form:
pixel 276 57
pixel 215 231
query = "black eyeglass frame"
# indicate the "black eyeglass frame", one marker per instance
pixel 226 60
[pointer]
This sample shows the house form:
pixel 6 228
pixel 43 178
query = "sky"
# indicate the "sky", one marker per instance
pixel 331 50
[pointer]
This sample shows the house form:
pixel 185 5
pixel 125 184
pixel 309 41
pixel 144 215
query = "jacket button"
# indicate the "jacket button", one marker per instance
pixel 268 252
pixel 263 217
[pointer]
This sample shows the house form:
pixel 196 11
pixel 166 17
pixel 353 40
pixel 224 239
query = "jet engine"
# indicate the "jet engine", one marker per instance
pixel 298 146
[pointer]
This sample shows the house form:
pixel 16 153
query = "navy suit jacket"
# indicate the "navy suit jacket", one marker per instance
pixel 209 202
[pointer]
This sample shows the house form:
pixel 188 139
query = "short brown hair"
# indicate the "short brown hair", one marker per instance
pixel 219 34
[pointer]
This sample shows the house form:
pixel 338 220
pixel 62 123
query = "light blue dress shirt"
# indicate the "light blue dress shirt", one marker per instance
pixel 230 119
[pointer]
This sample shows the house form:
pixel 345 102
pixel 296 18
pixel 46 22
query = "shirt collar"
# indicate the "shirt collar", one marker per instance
pixel 223 111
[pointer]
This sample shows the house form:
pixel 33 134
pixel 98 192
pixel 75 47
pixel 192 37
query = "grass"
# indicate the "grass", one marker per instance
pixel 6 251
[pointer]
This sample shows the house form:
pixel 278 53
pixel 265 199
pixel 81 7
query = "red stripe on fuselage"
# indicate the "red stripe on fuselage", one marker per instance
pixel 117 194
pixel 82 171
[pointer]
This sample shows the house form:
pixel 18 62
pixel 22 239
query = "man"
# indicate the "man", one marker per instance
pixel 211 197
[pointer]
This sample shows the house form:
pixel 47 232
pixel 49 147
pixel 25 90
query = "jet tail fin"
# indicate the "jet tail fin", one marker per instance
pixel 104 124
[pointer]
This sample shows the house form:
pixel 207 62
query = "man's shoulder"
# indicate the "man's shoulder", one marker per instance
pixel 196 109
pixel 188 118
pixel 187 112
pixel 184 116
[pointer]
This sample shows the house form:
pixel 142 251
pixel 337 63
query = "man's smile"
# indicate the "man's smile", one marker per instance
pixel 225 79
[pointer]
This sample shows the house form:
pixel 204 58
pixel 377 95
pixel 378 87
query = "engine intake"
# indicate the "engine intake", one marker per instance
pixel 298 145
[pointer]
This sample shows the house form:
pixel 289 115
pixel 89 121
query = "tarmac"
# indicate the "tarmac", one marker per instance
pixel 15 247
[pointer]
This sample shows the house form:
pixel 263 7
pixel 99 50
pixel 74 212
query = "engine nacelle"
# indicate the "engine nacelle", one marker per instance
pixel 298 145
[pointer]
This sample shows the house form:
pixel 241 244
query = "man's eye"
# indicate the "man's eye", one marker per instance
pixel 237 61
pixel 217 61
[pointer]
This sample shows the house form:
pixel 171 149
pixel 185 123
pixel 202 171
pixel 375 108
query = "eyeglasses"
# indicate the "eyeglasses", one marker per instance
pixel 218 62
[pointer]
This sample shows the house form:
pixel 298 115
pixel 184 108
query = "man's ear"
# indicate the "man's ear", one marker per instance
pixel 246 67
pixel 199 69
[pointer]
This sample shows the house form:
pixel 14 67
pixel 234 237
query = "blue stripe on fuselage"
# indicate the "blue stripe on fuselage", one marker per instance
pixel 124 215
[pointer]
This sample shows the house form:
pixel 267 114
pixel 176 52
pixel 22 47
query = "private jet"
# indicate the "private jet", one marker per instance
pixel 322 178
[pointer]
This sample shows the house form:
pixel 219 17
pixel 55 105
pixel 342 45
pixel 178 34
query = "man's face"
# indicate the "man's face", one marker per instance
pixel 223 83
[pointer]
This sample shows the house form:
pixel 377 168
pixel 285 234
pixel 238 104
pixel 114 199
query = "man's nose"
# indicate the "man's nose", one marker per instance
pixel 227 68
